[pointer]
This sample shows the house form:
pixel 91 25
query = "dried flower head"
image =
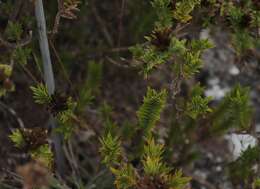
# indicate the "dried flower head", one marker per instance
pixel 58 103
pixel 34 137
pixel 161 38
pixel 69 9
pixel 151 183
pixel 34 174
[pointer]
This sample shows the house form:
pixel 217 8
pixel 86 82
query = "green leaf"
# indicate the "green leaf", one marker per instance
pixel 177 180
pixel 110 149
pixel 40 94
pixel 17 138
pixel 44 155
pixel 125 176
pixel 21 55
pixel 256 183
pixel 149 112
pixel 198 105
pixel 234 111
pixel 14 31
pixel 152 160
pixel 68 113
pixel 184 9
pixel 7 69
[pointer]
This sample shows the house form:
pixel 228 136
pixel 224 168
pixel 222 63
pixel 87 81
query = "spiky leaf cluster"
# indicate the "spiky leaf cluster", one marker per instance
pixel 42 153
pixel 125 176
pixel 183 10
pixel 152 160
pixel 164 13
pixel 242 168
pixel 14 31
pixel 163 47
pixel 177 180
pixel 188 56
pixel 198 105
pixel 17 138
pixel 153 171
pixel 65 115
pixel 185 56
pixel 110 149
pixel 243 20
pixel 149 113
pixel 6 84
pixel 21 55
pixel 234 111
pixel 60 106
pixel 40 94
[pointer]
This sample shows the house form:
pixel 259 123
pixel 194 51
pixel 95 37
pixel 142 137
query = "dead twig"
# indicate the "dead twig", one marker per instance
pixel 12 112
pixel 120 28
pixel 56 24
pixel 125 63
pixel 66 76
pixel 65 10
pixel 102 24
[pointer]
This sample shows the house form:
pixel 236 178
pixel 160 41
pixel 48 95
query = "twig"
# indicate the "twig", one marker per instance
pixel 60 63
pixel 120 28
pixel 27 71
pixel 102 25
pixel 56 24
pixel 37 64
pixel 13 113
pixel 21 43
pixel 130 63
pixel 57 18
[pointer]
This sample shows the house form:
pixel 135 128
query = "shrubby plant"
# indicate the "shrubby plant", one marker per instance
pixel 137 154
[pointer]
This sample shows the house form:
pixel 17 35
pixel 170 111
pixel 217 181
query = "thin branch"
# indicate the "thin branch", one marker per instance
pixel 120 28
pixel 13 113
pixel 103 26
pixel 124 63
pixel 56 24
pixel 66 76
pixel 29 73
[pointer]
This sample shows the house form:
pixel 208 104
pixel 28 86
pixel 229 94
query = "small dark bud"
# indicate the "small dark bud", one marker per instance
pixel 245 21
pixel 35 137
pixel 8 84
pixel 161 38
pixel 172 5
pixel 58 103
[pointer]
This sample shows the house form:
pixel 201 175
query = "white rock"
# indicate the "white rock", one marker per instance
pixel 234 70
pixel 239 143
pixel 216 92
